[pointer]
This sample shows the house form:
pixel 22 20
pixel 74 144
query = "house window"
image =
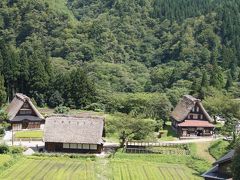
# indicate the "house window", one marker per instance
pixel 65 145
pixel 85 146
pixel 193 109
pixel 73 146
pixel 17 126
pixel 197 109
pixel 195 116
pixel 25 112
pixel 34 125
pixel 93 146
pixel 79 146
pixel 26 105
pixel 200 116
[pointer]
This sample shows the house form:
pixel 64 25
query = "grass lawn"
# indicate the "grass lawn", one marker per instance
pixel 4 158
pixel 29 134
pixel 202 151
pixel 61 168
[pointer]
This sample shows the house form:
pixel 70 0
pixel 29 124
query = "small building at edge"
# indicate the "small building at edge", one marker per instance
pixel 23 114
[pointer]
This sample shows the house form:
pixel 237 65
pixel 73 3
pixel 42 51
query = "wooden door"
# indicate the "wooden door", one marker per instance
pixel 24 125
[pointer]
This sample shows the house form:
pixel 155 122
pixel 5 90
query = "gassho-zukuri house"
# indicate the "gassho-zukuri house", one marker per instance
pixel 189 118
pixel 23 114
pixel 74 134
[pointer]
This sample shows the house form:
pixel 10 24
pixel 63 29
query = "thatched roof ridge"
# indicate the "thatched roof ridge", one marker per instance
pixel 74 129
pixel 184 107
pixel 16 104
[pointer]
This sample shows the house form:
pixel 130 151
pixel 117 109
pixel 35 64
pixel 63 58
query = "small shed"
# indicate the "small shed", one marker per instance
pixel 221 168
pixel 23 114
pixel 74 134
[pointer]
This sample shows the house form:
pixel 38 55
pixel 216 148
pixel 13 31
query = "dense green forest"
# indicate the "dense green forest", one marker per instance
pixel 97 54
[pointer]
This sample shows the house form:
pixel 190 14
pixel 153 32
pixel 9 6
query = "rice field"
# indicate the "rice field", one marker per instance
pixel 84 169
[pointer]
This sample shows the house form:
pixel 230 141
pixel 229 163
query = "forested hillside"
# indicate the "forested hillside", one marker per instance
pixel 78 52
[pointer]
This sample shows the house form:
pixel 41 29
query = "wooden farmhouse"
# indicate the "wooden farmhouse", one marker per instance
pixel 23 114
pixel 189 118
pixel 74 134
pixel 221 168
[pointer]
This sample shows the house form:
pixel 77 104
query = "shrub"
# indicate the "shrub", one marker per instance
pixel 62 110
pixel 3 115
pixel 17 149
pixel 2 132
pixel 95 107
pixel 55 99
pixel 4 149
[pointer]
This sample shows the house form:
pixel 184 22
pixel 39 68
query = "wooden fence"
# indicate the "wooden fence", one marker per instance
pixel 156 148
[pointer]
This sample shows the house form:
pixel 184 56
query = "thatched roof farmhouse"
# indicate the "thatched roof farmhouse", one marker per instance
pixel 23 114
pixel 190 118
pixel 74 134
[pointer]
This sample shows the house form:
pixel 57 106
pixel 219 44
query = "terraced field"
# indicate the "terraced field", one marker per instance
pixel 65 168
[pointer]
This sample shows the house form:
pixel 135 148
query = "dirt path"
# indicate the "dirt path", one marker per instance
pixel 202 151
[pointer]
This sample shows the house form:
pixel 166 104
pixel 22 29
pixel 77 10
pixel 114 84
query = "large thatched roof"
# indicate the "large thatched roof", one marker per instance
pixel 71 129
pixel 184 107
pixel 16 105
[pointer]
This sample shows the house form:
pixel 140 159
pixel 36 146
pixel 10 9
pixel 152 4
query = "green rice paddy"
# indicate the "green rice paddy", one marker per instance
pixel 61 168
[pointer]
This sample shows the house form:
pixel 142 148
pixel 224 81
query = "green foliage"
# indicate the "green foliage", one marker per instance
pixel 219 148
pixel 3 116
pixel 55 100
pixel 214 104
pixel 3 94
pixel 154 105
pixel 76 53
pixel 128 127
pixel 4 149
pixel 61 110
pixel 17 149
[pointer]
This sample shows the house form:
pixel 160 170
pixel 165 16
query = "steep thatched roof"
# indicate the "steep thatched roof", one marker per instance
pixel 17 103
pixel 185 106
pixel 71 129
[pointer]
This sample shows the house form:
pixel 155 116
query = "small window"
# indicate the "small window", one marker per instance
pixel 93 146
pixel 85 146
pixel 26 105
pixel 197 109
pixel 73 146
pixel 65 145
pixel 79 146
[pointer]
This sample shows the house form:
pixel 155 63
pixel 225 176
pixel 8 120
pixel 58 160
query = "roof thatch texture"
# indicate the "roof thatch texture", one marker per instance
pixel 185 106
pixel 17 103
pixel 71 129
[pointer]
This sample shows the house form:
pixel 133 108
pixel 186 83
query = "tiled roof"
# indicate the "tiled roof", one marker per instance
pixel 195 123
